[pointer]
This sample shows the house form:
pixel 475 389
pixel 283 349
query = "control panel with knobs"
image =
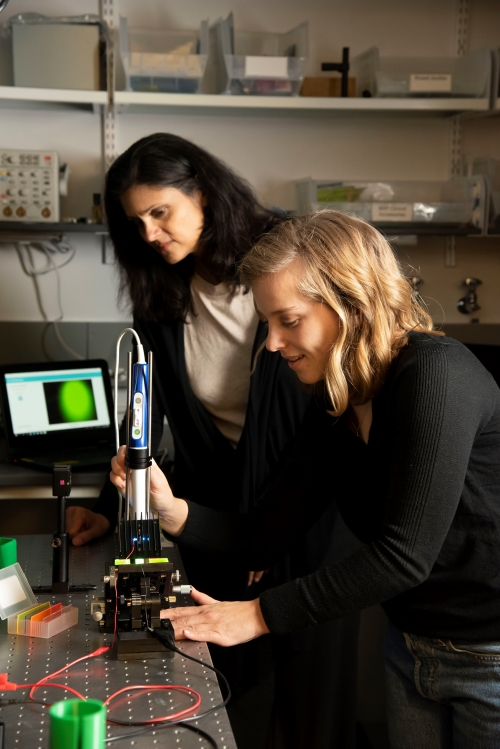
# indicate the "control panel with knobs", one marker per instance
pixel 29 186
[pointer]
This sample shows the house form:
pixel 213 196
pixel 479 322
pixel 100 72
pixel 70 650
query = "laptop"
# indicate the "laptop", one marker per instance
pixel 58 413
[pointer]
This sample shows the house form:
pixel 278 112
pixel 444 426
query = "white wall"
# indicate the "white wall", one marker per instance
pixel 272 151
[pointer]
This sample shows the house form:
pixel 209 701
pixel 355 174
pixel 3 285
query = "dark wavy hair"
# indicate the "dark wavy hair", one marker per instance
pixel 233 221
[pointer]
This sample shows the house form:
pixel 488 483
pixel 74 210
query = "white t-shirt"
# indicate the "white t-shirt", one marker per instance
pixel 218 342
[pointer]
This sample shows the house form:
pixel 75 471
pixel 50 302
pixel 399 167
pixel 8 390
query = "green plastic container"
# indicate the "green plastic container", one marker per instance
pixel 8 552
pixel 77 724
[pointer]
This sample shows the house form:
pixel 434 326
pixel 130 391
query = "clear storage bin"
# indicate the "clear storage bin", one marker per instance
pixel 43 620
pixel 458 77
pixel 458 205
pixel 164 61
pixel 257 63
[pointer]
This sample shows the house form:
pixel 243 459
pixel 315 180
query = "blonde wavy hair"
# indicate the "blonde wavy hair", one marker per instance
pixel 347 264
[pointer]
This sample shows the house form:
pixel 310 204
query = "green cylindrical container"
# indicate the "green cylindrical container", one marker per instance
pixel 8 552
pixel 77 724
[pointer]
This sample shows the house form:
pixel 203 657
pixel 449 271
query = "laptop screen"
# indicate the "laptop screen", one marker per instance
pixel 51 408
pixel 57 400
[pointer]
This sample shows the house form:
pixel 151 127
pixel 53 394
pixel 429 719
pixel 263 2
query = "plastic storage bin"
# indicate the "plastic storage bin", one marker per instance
pixel 42 620
pixel 164 61
pixel 256 63
pixel 457 205
pixel 468 76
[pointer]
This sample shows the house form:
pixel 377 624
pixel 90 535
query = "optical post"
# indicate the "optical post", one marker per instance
pixel 61 488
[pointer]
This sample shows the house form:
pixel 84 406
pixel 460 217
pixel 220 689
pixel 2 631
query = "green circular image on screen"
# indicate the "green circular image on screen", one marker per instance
pixel 76 401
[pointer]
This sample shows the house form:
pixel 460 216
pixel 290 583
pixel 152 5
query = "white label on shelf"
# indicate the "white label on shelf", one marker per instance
pixel 392 212
pixel 432 83
pixel 266 67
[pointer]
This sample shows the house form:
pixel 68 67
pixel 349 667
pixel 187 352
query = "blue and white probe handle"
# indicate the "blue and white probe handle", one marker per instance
pixel 138 454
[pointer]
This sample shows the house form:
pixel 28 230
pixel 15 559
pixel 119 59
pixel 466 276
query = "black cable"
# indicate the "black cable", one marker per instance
pixel 5 702
pixel 166 635
pixel 170 724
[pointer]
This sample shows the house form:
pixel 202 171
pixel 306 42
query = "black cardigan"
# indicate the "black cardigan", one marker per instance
pixel 423 496
pixel 207 468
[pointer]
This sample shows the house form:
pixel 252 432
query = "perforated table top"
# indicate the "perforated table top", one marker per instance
pixel 26 660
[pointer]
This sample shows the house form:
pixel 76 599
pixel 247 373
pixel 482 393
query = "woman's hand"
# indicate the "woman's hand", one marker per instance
pixel 223 623
pixel 173 512
pixel 83 525
pixel 255 577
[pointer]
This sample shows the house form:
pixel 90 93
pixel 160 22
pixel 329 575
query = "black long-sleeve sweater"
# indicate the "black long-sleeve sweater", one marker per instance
pixel 423 495
pixel 208 469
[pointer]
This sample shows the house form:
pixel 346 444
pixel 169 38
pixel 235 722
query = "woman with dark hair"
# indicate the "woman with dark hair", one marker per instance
pixel 180 222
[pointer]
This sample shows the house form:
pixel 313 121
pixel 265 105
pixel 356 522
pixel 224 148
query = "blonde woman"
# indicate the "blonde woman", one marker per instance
pixel 413 420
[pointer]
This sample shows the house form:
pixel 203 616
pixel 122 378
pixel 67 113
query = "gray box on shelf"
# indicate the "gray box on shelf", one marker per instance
pixel 56 55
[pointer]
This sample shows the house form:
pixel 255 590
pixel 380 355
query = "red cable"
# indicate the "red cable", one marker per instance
pixel 133 549
pixel 10 687
pixel 163 686
pixel 40 683
pixel 101 651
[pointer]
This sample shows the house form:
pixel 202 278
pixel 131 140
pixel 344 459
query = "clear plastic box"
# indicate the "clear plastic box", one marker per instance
pixel 257 63
pixel 43 620
pixel 172 61
pixel 15 591
pixel 458 204
pixel 457 77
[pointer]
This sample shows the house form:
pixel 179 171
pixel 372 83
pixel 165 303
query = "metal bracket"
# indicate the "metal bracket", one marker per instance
pixel 462 28
pixel 107 13
pixel 107 9
pixel 456 159
pixel 450 254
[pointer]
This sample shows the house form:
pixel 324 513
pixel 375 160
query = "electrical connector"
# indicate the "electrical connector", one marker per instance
pixel 100 651
pixel 165 634
pixel 6 685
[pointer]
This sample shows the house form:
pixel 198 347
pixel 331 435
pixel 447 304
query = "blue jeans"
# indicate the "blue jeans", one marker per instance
pixel 442 694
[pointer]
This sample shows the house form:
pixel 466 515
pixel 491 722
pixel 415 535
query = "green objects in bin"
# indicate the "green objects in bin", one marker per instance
pixel 8 552
pixel 77 724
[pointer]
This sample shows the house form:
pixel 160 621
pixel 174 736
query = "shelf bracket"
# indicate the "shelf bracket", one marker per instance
pixel 450 253
pixel 108 15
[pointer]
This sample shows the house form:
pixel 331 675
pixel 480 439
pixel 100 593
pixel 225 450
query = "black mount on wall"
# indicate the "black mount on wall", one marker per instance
pixel 340 67
pixel 468 303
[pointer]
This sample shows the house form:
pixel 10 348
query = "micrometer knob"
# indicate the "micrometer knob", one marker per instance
pixel 183 590
pixel 97 615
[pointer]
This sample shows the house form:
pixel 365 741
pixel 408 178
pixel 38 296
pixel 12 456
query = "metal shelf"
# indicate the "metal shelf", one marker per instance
pixel 47 228
pixel 137 101
pixel 51 98
pixel 48 98
pixel 426 230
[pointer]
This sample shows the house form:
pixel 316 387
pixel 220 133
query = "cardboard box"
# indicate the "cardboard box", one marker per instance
pixel 326 86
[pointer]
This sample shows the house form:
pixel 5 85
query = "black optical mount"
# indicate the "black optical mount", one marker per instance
pixel 340 67
pixel 61 488
pixel 468 303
